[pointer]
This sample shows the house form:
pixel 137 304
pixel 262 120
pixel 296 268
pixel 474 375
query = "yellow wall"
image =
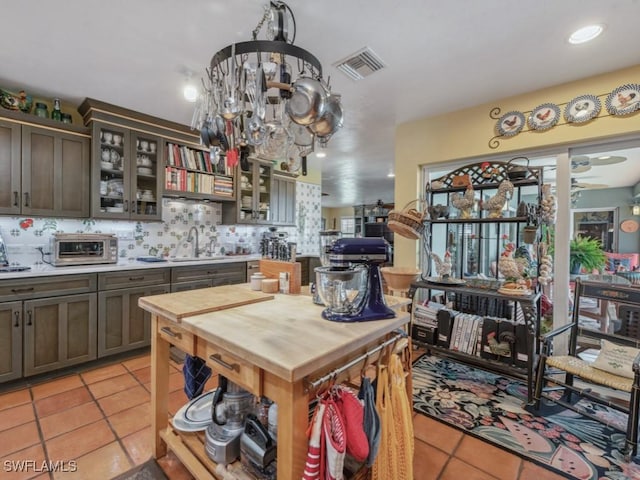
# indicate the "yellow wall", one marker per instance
pixel 465 134
pixel 331 214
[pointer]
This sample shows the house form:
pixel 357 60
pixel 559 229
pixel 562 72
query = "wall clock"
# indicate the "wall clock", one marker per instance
pixel 629 226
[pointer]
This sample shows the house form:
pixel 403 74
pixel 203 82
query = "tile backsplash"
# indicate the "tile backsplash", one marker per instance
pixel 23 235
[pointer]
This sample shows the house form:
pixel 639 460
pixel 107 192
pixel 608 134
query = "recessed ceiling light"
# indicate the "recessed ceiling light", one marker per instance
pixel 606 157
pixel 391 174
pixel 585 34
pixel 190 92
pixel 321 154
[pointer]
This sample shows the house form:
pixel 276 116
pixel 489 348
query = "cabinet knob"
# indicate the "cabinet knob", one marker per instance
pixel 135 279
pixel 16 199
pixel 26 199
pixel 17 315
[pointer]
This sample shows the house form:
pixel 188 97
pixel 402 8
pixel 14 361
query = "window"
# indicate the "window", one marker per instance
pixel 348 226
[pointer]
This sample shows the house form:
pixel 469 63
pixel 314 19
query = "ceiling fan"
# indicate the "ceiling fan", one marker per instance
pixel 583 163
pixel 579 185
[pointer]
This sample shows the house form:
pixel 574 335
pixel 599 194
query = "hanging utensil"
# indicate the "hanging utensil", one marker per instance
pixel 231 106
pixel 256 130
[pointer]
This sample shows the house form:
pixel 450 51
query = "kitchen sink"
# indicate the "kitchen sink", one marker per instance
pixel 197 259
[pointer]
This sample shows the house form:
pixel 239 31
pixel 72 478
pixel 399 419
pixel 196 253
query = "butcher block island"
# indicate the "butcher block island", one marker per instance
pixel 272 345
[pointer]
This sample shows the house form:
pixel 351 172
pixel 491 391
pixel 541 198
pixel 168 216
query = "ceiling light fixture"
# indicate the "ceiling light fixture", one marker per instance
pixel 189 91
pixel 391 174
pixel 321 154
pixel 268 96
pixel 585 34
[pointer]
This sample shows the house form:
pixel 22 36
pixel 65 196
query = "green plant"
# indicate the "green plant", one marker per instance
pixel 587 253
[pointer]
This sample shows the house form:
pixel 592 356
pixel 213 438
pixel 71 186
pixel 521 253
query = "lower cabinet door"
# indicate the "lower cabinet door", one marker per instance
pixel 10 341
pixel 122 325
pixel 59 332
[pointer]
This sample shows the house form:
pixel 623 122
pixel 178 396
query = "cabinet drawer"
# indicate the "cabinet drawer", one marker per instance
pixel 133 278
pixel 27 288
pixel 202 272
pixel 234 368
pixel 176 335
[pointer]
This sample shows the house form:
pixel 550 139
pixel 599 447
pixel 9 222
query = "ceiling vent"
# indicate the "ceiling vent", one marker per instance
pixel 360 64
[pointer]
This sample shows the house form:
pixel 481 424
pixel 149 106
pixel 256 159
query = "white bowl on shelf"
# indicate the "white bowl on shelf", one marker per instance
pixel 106 165
pixel 115 209
pixel 145 171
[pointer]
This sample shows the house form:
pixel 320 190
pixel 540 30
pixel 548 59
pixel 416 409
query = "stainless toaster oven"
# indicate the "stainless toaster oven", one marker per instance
pixel 83 248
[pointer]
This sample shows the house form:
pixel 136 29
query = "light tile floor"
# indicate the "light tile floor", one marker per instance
pixel 100 418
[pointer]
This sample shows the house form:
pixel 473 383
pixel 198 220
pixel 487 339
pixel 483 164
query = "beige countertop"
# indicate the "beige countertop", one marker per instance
pixel 286 336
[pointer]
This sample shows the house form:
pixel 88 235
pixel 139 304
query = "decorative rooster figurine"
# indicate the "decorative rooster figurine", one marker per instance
pixel 503 347
pixel 443 267
pixel 513 269
pixel 464 202
pixel 496 203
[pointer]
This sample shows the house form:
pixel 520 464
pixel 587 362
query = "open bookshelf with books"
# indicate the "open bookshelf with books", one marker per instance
pixel 191 173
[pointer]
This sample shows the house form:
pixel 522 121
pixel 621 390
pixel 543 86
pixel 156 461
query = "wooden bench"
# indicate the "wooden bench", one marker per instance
pixel 556 375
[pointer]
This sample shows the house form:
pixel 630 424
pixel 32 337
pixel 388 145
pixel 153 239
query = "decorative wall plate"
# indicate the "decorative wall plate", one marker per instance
pixel 510 124
pixel 624 100
pixel 544 116
pixel 582 109
pixel 629 226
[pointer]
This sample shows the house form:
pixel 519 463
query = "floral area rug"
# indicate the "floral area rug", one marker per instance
pixel 491 407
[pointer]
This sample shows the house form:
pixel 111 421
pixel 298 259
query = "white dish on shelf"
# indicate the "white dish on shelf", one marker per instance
pixel 115 209
pixel 147 199
pixel 107 165
pixel 145 171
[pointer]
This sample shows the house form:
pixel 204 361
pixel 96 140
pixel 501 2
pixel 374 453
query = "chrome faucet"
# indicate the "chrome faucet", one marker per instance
pixel 195 247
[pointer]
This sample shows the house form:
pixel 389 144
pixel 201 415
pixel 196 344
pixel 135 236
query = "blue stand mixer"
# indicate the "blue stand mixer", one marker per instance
pixel 351 286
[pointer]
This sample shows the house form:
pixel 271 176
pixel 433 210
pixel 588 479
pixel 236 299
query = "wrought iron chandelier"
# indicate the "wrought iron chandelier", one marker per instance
pixel 267 97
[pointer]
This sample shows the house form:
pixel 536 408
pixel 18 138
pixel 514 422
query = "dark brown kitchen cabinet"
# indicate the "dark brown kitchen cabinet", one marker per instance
pixel 58 332
pixel 283 200
pixel 253 199
pixel 46 323
pixel 127 173
pixel 45 171
pixel 10 341
pixel 122 325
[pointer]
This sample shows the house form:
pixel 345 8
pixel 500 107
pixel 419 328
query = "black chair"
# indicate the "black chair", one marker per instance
pixel 556 374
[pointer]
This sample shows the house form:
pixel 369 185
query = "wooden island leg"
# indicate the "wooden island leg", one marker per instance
pixel 159 388
pixel 293 419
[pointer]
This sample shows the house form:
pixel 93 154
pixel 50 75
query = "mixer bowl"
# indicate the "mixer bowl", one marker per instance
pixel 342 290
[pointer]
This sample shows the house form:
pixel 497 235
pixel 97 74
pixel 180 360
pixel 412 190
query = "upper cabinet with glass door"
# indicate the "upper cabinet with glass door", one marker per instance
pixel 126 181
pixel 130 167
pixel 254 196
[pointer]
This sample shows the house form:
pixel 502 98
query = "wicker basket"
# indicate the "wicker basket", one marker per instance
pixel 408 222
